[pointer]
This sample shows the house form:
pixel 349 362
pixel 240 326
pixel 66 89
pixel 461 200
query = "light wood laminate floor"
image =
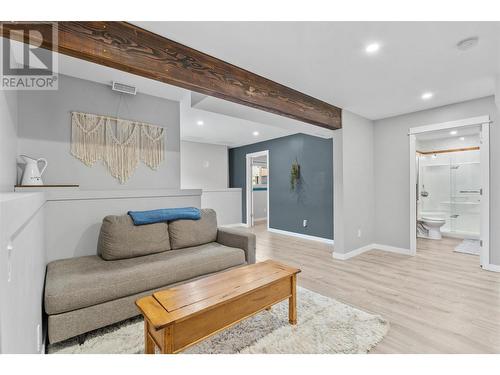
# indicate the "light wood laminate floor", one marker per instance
pixel 436 302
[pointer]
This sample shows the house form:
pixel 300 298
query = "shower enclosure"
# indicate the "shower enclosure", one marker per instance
pixel 449 185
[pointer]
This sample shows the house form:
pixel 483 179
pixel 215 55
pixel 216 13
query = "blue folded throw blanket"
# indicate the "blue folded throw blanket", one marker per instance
pixel 164 214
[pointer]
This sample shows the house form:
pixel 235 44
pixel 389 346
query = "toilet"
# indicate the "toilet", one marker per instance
pixel 432 224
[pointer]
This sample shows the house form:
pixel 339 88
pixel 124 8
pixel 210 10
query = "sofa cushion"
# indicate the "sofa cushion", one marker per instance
pixel 186 233
pixel 121 239
pixel 86 281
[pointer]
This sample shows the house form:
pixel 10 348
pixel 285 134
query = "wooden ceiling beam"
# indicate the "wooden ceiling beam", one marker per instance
pixel 126 47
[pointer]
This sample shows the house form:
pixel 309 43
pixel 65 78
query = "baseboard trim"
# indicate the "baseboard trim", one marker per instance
pixel 373 246
pixel 300 235
pixel 491 267
pixel 260 219
pixel 391 249
pixel 352 253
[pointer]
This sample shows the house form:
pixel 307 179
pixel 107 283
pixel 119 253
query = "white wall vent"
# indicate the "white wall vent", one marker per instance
pixel 126 89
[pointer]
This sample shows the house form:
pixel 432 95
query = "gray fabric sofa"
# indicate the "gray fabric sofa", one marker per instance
pixel 86 293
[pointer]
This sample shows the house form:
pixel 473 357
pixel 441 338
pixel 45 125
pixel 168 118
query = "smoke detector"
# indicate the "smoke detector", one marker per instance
pixel 123 88
pixel 468 43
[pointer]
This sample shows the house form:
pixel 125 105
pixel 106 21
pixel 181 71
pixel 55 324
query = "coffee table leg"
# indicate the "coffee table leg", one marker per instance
pixel 292 302
pixel 149 345
pixel 168 340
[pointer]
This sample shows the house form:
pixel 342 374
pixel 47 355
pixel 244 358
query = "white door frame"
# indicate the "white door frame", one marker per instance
pixel 249 195
pixel 484 121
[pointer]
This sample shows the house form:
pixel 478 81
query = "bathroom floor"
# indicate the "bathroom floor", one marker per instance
pixel 471 247
pixel 446 244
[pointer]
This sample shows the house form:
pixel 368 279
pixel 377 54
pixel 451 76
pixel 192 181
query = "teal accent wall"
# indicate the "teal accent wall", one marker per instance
pixel 313 198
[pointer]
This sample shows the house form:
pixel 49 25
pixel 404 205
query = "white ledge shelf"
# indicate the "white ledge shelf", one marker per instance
pixel 222 190
pixel 76 194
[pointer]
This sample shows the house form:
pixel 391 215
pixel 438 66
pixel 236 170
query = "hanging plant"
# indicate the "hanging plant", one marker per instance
pixel 294 175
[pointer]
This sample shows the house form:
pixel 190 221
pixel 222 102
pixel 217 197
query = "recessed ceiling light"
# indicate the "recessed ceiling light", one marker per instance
pixel 427 95
pixel 468 43
pixel 462 138
pixel 255 133
pixel 453 132
pixel 372 47
pixel 199 123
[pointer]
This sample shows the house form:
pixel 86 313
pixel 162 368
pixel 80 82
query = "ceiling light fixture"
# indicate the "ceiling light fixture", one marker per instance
pixel 255 133
pixel 372 47
pixel 468 43
pixel 453 132
pixel 427 95
pixel 462 138
pixel 199 123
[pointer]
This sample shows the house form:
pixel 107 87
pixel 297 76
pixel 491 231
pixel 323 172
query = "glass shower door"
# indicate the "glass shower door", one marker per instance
pixel 465 188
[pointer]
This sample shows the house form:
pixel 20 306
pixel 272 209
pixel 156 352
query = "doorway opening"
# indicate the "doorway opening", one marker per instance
pixel 257 188
pixel 449 186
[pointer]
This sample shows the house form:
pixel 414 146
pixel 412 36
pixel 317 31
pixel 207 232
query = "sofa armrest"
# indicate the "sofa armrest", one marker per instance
pixel 240 239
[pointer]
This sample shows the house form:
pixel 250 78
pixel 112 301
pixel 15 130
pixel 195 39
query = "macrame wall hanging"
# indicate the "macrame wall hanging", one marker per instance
pixel 119 143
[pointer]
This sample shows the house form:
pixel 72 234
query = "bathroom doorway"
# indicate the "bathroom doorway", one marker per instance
pixel 449 185
pixel 257 188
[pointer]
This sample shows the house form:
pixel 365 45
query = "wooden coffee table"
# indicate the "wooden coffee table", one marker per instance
pixel 179 317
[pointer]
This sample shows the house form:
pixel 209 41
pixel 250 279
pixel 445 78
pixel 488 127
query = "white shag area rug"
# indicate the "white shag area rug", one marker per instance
pixel 324 326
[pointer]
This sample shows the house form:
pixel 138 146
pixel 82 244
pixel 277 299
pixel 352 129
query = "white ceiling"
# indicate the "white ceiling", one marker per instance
pixel 226 130
pixel 442 139
pixel 443 134
pixel 234 110
pixel 327 59
pixel 102 74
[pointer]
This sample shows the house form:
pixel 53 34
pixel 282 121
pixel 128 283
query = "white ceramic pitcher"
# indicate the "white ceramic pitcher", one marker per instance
pixel 32 175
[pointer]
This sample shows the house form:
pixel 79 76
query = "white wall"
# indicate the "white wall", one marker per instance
pixel 497 92
pixel 353 183
pixel 225 202
pixel 22 272
pixel 391 153
pixel 338 192
pixel 203 166
pixel 45 131
pixel 8 139
pixel 75 217
pixel 259 204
